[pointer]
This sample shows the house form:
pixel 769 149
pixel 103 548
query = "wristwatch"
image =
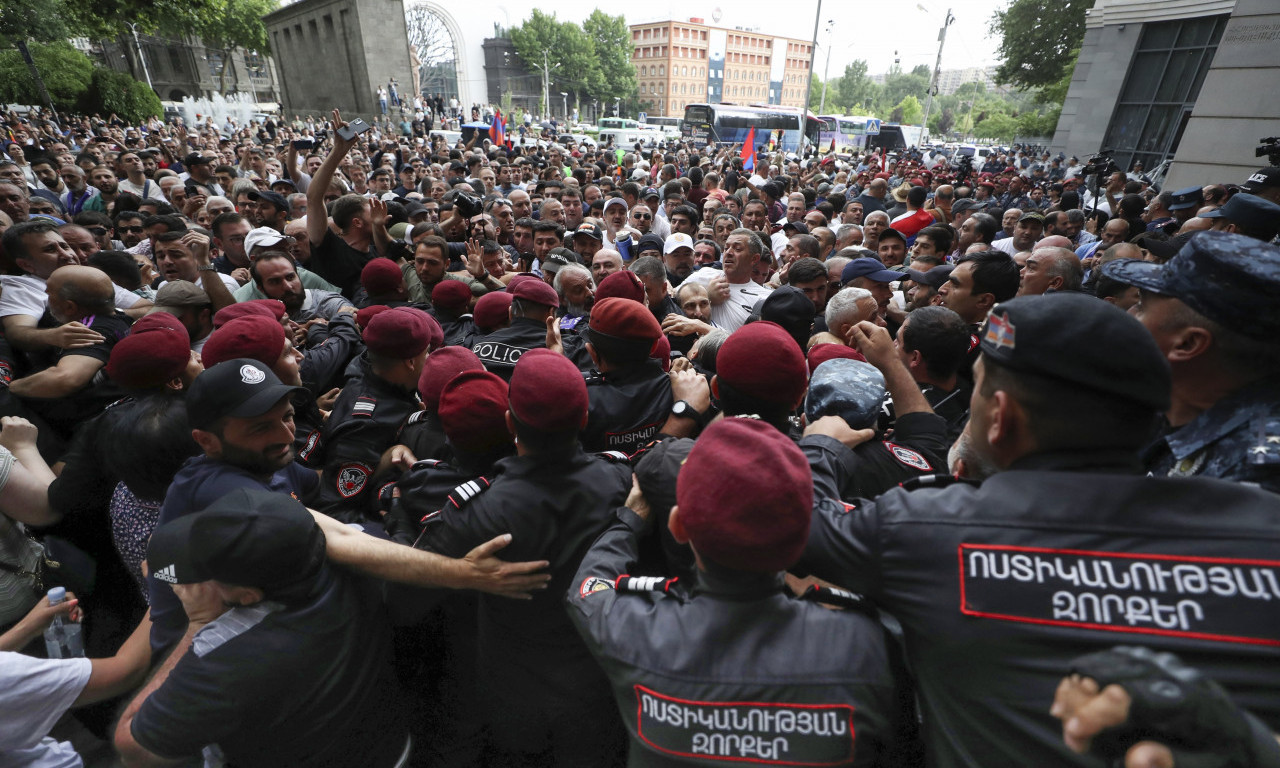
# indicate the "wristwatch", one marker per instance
pixel 682 409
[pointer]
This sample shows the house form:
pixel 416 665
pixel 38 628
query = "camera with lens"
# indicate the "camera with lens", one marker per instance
pixel 964 169
pixel 468 205
pixel 1270 148
pixel 1099 164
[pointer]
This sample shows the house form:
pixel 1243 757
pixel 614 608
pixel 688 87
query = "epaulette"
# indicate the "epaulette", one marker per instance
pixel 468 491
pixel 415 417
pixel 615 457
pixel 936 481
pixel 841 598
pixel 625 583
pixel 121 401
pixel 428 463
pixel 364 406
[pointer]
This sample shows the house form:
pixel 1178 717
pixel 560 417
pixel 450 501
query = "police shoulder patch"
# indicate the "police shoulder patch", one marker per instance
pixel 313 440
pixel 909 457
pixel 364 406
pixel 352 479
pixel 594 584
pixel 468 491
pixel 615 457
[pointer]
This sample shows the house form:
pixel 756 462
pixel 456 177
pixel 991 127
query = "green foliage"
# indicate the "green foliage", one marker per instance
pixel 1037 38
pixel 855 88
pixel 899 86
pixel 38 20
pixel 225 25
pixel 912 111
pixel 997 126
pixel 65 72
pixel 611 46
pixel 117 92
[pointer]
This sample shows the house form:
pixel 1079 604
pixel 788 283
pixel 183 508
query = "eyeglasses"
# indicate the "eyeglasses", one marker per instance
pixel 640 217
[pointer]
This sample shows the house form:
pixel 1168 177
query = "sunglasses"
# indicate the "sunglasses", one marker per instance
pixel 98 231
pixel 128 229
pixel 641 217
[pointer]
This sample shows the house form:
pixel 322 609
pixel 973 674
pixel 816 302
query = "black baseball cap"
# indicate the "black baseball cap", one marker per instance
pixel 934 278
pixel 1263 178
pixel 240 388
pixel 1253 213
pixel 250 537
pixel 195 158
pixel 1056 336
pixel 275 198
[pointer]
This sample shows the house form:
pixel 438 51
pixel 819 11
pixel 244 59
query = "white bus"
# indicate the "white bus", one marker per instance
pixel 848 133
pixel 670 126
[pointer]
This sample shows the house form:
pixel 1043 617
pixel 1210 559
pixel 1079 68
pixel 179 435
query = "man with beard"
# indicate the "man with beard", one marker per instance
pixel 576 289
pixel 276 275
pixel 241 416
pixel 269 209
pixel 1026 232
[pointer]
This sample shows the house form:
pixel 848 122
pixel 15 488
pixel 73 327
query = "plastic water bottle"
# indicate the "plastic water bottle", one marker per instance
pixel 62 639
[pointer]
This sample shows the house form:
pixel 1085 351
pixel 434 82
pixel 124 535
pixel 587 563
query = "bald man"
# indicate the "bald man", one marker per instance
pixel 1051 269
pixel 64 392
pixel 1052 241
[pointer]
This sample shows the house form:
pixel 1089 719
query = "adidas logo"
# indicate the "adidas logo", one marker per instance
pixel 167 574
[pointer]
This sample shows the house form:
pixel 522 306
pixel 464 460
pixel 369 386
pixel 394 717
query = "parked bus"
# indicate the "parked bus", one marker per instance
pixel 669 126
pixel 849 132
pixel 623 132
pixel 730 124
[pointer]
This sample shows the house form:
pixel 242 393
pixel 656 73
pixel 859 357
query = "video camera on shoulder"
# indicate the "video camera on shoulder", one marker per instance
pixel 1270 147
pixel 1099 164
pixel 468 205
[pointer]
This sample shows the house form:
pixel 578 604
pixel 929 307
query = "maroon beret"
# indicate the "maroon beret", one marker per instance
pixel 441 366
pixel 402 332
pixel 381 276
pixel 662 352
pixel 548 392
pixel 493 309
pixel 452 295
pixel 363 316
pixel 159 319
pixel 737 516
pixel 821 353
pixel 518 279
pixel 536 291
pixel 625 284
pixel 473 411
pixel 252 336
pixel 624 319
pixel 151 356
pixel 271 308
pixel 763 362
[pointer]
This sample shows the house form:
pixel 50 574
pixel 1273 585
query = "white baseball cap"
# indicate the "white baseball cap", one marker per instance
pixel 677 240
pixel 261 237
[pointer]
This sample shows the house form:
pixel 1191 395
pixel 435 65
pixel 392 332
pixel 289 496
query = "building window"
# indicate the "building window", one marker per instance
pixel 1161 88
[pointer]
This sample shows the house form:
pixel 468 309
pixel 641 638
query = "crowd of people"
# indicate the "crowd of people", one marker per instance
pixel 363 449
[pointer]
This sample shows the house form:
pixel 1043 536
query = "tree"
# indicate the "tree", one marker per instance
pixel 112 91
pixel 856 89
pixel 899 86
pixel 1036 40
pixel 942 121
pixel 971 89
pixel 611 45
pixel 922 70
pixel 229 24
pixel 997 126
pixel 65 71
pixel 909 111
pixel 548 46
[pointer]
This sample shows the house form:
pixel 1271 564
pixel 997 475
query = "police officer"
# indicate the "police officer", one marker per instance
pixel 423 434
pixel 691 674
pixel 1211 310
pixel 450 300
pixel 533 301
pixel 1067 550
pixel 630 394
pixel 548 702
pixel 368 415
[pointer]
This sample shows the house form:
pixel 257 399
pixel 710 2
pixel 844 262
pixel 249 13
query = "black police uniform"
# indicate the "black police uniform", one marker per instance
pixel 456 329
pixel 918 447
pixel 668 306
pixel 1237 438
pixel 500 350
pixel 423 435
pixel 365 421
pixel 330 348
pixel 573 342
pixel 998 587
pixel 737 670
pixel 952 405
pixel 628 407
pixel 544 691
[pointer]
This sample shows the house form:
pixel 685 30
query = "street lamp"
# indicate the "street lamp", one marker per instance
pixel 564 97
pixel 141 56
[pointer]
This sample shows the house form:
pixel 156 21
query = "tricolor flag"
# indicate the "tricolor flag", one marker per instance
pixel 498 129
pixel 749 151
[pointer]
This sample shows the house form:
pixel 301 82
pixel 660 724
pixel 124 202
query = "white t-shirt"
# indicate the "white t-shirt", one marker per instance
pixel 34 693
pixel 25 295
pixel 147 188
pixel 1006 246
pixel 733 313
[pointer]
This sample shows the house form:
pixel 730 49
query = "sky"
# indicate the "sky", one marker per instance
pixel 871 31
